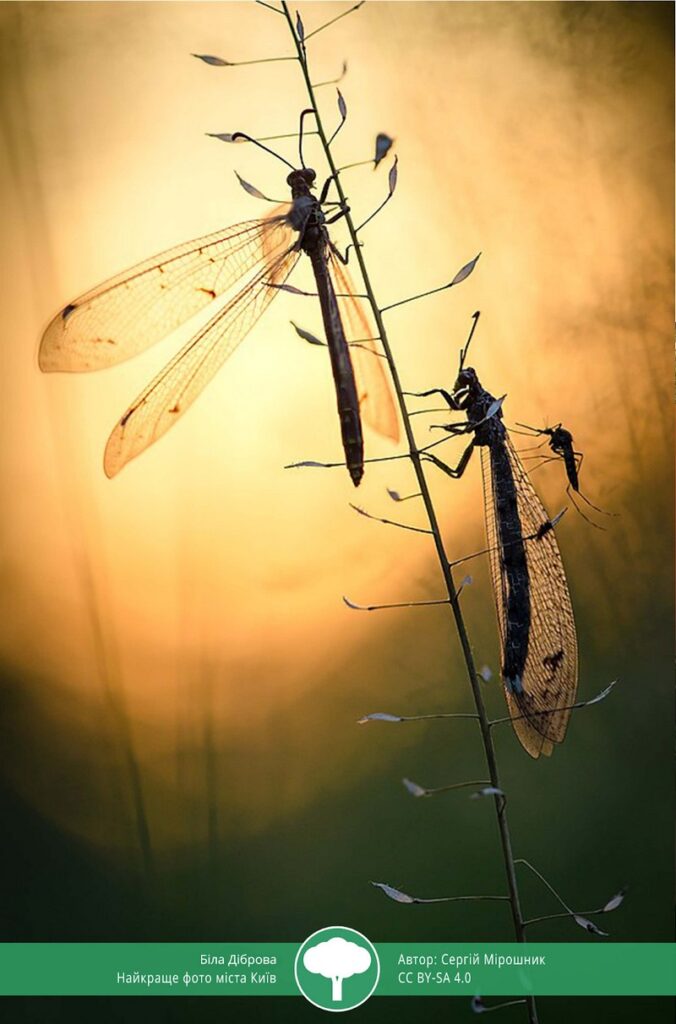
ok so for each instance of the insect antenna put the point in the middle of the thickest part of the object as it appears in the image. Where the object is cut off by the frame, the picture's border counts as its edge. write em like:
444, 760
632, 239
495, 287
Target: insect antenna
463, 351
243, 135
308, 110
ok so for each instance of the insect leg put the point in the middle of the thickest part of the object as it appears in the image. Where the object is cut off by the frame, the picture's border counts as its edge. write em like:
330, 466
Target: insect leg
447, 397
338, 254
579, 459
544, 459
571, 494
325, 189
533, 448
341, 213
454, 429
457, 472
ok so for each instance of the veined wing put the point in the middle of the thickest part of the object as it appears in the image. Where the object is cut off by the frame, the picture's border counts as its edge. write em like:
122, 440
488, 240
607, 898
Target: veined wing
550, 673
172, 392
376, 401
130, 312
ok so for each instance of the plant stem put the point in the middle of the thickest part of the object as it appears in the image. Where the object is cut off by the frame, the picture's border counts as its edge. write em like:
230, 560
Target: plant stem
447, 572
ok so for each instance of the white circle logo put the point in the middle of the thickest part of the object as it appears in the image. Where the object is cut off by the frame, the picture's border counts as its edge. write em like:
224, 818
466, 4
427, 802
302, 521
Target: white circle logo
337, 969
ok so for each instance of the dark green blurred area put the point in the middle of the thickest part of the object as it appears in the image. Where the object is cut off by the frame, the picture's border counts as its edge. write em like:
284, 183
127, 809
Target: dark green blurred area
409, 1011
595, 818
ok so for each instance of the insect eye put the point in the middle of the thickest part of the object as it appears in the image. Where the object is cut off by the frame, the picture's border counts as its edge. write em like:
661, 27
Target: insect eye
310, 175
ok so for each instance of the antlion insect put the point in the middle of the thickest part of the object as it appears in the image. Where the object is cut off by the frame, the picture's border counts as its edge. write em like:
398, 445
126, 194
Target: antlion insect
132, 311
535, 615
561, 443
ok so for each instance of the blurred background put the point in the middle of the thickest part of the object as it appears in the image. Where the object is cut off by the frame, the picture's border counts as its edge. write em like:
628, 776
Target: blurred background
181, 680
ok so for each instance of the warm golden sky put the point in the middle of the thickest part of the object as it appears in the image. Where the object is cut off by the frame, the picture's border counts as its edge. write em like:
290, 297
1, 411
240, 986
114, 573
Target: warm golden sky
537, 133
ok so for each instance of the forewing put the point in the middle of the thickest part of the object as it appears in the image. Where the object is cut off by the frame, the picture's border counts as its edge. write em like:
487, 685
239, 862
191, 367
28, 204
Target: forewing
130, 312
172, 392
376, 401
550, 673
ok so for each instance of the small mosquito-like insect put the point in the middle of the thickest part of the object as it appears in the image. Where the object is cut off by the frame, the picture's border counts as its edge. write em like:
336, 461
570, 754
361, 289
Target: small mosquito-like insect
535, 615
130, 312
561, 443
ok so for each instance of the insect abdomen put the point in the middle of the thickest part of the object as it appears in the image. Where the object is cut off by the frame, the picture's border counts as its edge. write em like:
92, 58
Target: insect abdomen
571, 468
515, 570
347, 398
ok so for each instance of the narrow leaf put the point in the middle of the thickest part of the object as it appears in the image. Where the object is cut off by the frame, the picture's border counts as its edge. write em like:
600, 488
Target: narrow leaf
251, 189
342, 106
486, 791
486, 674
351, 604
602, 695
380, 716
465, 271
383, 145
555, 520
413, 788
287, 288
615, 901
478, 1005
216, 62
394, 495
300, 28
305, 335
394, 894
225, 137
392, 177
495, 407
589, 926
315, 465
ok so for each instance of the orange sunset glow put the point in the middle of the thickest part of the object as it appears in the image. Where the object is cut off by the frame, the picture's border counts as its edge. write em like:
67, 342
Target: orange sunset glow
179, 655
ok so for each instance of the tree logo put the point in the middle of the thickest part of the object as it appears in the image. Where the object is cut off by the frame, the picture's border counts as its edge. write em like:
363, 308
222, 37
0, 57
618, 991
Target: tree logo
337, 969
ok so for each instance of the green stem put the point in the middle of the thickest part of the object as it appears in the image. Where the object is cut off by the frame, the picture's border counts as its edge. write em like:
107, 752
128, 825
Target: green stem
447, 572
544, 881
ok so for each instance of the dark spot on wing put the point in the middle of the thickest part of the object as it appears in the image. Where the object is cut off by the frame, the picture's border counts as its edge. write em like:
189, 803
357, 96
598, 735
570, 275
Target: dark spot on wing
67, 310
176, 408
208, 291
552, 661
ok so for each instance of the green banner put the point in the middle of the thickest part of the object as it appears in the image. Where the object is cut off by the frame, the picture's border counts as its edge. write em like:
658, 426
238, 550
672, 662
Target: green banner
267, 969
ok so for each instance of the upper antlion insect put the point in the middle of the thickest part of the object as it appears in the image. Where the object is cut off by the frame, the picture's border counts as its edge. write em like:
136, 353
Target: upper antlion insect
535, 615
130, 312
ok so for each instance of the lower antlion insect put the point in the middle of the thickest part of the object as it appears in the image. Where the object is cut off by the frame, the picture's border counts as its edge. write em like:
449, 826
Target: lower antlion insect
562, 445
535, 615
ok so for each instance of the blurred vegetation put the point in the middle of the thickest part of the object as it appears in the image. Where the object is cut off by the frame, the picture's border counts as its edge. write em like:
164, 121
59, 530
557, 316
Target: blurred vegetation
267, 814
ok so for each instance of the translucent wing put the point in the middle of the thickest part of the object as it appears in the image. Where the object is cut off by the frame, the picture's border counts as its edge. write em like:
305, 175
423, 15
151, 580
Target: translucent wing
172, 392
130, 312
550, 674
376, 401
